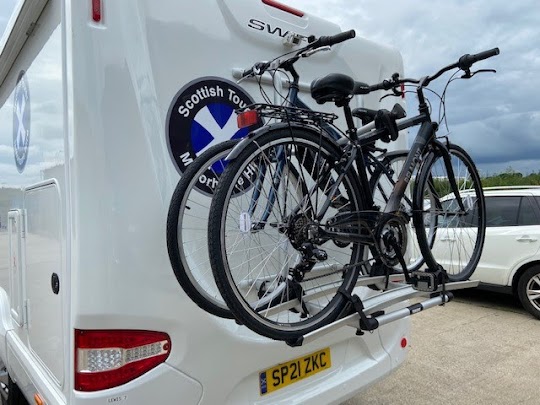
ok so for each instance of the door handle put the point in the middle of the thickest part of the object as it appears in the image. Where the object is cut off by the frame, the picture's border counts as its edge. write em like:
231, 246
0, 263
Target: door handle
526, 238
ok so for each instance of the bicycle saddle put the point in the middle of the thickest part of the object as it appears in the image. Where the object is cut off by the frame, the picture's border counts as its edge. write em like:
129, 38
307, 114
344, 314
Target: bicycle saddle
336, 87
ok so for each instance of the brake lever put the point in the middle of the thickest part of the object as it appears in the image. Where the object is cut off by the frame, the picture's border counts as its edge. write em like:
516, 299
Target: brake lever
314, 51
468, 73
395, 93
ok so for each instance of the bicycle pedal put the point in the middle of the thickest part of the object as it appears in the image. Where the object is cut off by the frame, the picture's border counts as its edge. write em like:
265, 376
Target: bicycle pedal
428, 281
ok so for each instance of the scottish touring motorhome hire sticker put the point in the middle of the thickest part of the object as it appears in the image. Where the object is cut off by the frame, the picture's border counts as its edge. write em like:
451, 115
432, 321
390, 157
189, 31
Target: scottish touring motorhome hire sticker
202, 115
21, 121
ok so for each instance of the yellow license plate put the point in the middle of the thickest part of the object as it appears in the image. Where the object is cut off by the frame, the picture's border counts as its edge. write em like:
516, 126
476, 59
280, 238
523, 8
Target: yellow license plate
293, 371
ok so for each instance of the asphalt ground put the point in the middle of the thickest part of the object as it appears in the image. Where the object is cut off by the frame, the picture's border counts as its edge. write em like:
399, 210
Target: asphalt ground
482, 348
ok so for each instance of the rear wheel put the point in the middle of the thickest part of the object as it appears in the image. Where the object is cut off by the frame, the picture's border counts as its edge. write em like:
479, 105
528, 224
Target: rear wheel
529, 290
187, 228
459, 230
277, 271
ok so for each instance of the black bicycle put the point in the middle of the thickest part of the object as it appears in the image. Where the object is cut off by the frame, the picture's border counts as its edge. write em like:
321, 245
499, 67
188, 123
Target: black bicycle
273, 236
189, 208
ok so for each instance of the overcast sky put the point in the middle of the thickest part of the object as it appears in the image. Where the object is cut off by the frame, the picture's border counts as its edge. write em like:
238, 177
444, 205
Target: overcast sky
496, 117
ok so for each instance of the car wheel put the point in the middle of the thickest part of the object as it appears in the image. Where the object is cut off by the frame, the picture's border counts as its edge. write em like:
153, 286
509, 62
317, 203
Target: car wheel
529, 290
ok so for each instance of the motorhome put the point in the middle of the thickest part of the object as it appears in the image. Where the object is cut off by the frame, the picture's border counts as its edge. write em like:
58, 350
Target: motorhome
91, 149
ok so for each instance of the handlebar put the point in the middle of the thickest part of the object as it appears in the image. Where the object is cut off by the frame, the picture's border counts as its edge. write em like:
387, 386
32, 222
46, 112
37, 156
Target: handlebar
321, 42
464, 63
333, 40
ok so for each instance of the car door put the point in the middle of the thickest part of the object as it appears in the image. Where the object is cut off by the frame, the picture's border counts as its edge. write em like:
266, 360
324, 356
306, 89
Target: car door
512, 237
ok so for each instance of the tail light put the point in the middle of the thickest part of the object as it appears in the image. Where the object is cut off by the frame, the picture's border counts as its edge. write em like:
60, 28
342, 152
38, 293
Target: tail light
402, 88
108, 358
247, 119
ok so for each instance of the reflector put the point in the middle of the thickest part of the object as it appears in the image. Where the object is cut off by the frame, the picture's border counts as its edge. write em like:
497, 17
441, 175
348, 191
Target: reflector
247, 118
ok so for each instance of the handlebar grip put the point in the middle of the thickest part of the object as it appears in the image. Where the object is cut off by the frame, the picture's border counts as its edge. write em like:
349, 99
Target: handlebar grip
335, 39
466, 61
384, 85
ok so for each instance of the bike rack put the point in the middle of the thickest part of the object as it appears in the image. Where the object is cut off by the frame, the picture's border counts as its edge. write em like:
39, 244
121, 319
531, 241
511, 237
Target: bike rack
374, 307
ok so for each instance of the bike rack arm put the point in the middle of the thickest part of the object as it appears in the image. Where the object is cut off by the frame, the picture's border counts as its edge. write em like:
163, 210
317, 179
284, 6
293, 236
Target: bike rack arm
387, 299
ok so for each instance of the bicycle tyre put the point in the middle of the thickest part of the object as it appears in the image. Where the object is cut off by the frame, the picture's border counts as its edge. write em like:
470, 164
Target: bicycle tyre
459, 234
385, 173
187, 234
224, 231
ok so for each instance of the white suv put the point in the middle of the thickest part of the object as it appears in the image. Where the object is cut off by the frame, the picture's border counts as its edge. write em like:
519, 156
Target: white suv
510, 260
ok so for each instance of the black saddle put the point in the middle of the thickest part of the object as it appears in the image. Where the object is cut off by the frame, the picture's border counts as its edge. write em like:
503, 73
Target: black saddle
336, 87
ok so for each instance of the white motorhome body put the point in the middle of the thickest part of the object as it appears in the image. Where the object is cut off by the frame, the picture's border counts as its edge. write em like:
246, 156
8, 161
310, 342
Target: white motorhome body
88, 166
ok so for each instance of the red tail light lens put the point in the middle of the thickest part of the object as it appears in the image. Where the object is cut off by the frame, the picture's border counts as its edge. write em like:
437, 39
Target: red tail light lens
402, 90
283, 7
109, 358
247, 119
96, 10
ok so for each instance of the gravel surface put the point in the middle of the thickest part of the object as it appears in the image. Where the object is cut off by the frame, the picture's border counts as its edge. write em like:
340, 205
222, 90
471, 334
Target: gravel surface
482, 348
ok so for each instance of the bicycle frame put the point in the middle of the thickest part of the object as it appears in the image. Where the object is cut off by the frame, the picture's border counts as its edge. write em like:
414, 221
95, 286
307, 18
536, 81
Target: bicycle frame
426, 136
295, 101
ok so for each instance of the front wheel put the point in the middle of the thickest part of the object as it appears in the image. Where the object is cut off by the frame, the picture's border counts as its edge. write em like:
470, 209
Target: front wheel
274, 265
459, 228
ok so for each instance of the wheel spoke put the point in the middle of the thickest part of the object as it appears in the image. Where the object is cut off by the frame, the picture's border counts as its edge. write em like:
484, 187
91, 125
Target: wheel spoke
266, 271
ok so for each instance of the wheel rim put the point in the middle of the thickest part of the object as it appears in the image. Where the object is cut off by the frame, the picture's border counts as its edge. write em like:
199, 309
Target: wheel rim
533, 291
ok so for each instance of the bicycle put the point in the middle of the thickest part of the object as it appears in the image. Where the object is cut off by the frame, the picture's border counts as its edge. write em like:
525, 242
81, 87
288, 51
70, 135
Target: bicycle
189, 207
295, 239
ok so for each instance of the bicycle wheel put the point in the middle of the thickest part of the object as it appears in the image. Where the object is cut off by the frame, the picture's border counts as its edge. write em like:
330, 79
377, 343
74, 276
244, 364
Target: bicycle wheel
187, 228
460, 231
274, 267
385, 171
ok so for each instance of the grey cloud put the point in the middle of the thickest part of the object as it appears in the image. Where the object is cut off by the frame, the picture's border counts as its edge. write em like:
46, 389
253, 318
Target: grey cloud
492, 115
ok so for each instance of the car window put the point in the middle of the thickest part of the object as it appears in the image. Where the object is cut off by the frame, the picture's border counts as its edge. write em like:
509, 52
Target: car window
527, 216
502, 211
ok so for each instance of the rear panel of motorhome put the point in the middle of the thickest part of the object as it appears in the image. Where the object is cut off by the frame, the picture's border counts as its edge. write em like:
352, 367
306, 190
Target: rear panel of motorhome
93, 138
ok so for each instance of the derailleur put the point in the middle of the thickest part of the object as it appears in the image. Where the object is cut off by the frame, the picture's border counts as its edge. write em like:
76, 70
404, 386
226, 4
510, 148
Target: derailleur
310, 256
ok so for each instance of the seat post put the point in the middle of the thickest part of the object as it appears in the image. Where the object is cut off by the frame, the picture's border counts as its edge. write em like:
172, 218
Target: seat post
351, 131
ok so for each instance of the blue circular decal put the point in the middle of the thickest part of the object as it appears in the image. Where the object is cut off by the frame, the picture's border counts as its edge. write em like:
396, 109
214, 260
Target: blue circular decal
21, 121
203, 115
